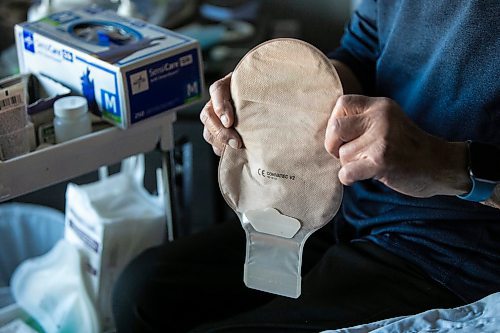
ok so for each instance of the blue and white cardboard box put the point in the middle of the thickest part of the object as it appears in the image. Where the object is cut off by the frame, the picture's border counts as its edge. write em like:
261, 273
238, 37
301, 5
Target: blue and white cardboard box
129, 70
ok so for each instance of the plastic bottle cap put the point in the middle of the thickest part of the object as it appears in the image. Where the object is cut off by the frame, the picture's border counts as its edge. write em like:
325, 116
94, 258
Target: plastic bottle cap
70, 107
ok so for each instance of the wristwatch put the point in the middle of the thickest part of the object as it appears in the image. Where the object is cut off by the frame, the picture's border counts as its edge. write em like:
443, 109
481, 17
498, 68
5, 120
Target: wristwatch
484, 170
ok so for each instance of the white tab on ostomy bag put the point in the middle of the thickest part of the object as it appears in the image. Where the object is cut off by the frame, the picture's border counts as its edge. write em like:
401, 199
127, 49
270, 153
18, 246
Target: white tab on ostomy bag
112, 221
282, 184
51, 289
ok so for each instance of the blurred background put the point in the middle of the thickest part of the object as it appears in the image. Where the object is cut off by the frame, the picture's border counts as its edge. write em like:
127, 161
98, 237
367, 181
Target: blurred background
226, 29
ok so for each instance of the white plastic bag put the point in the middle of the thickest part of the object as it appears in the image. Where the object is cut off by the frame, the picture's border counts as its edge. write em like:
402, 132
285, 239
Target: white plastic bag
51, 289
112, 221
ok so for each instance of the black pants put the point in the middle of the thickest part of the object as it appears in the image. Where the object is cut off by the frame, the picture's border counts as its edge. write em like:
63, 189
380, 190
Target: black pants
196, 284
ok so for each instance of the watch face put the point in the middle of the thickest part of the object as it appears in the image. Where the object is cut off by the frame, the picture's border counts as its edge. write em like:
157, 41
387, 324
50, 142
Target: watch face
485, 161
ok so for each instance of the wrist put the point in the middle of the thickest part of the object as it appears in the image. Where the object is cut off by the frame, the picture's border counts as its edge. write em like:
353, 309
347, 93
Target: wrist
494, 200
484, 170
455, 176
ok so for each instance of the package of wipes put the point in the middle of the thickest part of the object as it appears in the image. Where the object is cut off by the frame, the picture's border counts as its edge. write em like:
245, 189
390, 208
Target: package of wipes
111, 221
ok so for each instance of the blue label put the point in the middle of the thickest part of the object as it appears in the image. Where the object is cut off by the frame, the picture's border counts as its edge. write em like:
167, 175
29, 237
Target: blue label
164, 85
67, 55
109, 103
29, 42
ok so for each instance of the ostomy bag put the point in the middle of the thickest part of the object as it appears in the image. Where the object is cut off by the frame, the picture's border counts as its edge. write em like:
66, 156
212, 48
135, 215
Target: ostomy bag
52, 289
282, 184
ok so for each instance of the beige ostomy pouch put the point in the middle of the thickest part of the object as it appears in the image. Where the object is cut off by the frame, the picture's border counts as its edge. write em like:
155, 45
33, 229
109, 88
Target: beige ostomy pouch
282, 184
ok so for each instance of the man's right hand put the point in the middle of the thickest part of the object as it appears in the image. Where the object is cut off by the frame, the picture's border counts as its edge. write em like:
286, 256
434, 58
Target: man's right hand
217, 117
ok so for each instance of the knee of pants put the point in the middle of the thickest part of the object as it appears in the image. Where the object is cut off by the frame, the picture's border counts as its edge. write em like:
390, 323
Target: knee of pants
131, 283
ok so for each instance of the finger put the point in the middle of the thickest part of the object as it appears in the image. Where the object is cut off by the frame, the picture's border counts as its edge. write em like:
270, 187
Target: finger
343, 129
220, 95
348, 105
217, 130
216, 146
207, 109
354, 150
217, 150
211, 140
208, 136
357, 170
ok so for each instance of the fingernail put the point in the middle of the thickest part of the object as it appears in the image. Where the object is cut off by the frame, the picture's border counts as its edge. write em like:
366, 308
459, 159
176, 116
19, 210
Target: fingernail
224, 120
233, 143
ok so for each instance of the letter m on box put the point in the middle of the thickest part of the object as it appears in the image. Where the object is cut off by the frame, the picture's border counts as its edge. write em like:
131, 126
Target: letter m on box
110, 103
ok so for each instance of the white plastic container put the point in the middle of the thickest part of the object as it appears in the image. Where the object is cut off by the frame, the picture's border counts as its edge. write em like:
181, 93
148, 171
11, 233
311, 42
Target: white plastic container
72, 119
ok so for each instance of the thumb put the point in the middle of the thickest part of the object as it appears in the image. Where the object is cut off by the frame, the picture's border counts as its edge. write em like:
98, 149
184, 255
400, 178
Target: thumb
357, 170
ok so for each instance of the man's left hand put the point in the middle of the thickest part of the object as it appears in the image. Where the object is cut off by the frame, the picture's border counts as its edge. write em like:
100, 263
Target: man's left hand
373, 138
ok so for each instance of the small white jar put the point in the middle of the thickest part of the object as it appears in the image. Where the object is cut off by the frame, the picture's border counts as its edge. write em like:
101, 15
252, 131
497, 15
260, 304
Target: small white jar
71, 118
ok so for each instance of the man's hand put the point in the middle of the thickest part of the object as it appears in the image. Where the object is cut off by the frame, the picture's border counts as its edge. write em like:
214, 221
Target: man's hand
373, 138
217, 117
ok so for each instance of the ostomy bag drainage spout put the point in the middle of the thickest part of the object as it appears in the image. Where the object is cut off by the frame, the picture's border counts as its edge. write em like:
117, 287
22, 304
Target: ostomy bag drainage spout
282, 184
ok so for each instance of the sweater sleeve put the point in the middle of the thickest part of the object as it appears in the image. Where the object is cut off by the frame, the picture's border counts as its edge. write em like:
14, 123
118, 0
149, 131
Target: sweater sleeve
359, 46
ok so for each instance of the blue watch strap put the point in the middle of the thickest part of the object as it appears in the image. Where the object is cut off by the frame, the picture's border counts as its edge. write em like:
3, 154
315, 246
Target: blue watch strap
480, 191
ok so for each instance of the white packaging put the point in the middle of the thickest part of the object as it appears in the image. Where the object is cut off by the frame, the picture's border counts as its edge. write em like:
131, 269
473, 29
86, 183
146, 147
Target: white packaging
13, 115
112, 221
15, 134
12, 314
128, 69
52, 290
16, 326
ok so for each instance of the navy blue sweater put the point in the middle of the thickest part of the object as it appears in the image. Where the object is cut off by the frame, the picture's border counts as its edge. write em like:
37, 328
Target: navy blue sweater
440, 60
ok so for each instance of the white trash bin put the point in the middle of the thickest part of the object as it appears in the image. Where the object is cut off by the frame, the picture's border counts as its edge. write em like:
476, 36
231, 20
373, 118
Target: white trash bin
26, 231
